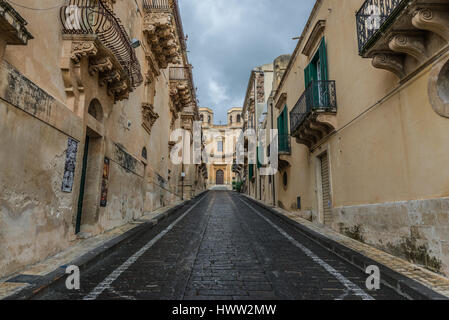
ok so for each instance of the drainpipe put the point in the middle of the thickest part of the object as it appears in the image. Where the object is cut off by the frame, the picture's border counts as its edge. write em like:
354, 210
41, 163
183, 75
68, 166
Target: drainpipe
273, 182
255, 121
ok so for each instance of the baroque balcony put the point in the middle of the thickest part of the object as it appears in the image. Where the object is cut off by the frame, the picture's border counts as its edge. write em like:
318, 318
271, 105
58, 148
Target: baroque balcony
13, 26
314, 115
182, 89
92, 30
402, 35
164, 31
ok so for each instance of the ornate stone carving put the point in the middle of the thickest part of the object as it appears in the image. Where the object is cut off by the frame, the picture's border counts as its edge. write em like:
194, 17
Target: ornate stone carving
160, 31
117, 87
391, 62
101, 64
107, 78
149, 117
181, 94
83, 49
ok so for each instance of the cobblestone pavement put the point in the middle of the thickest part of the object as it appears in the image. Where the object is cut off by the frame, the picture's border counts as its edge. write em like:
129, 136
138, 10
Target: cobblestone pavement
221, 247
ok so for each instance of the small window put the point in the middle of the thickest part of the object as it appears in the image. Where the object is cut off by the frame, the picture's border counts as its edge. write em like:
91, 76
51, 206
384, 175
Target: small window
144, 153
285, 179
230, 120
239, 118
220, 146
95, 110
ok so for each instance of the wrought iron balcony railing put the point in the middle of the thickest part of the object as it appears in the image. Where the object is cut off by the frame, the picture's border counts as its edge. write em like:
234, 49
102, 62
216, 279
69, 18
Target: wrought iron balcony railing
319, 96
164, 6
284, 143
156, 4
179, 73
373, 17
86, 17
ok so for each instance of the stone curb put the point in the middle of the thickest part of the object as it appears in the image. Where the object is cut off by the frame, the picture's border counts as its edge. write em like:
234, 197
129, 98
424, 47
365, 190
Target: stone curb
409, 288
94, 255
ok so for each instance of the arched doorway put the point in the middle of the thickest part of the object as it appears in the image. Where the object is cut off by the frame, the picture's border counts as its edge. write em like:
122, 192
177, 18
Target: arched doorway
219, 179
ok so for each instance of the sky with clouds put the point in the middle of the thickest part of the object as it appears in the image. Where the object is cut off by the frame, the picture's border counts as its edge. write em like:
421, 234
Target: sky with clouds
228, 38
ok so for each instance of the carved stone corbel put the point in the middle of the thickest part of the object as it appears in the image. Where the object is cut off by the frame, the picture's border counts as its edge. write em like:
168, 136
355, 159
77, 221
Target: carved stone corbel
117, 88
106, 78
433, 20
101, 64
409, 43
391, 62
83, 49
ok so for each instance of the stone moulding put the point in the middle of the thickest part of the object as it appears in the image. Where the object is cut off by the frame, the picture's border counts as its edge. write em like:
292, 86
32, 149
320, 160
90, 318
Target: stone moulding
149, 117
282, 100
438, 87
315, 36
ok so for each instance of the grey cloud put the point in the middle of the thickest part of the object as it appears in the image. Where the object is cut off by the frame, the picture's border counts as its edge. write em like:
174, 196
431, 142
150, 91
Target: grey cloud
227, 38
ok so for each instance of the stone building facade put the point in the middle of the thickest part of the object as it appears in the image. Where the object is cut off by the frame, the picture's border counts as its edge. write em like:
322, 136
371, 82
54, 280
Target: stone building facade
90, 93
362, 106
220, 144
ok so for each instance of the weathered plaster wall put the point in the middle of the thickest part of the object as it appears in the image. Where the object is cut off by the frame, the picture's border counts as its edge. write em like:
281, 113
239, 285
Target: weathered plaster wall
36, 218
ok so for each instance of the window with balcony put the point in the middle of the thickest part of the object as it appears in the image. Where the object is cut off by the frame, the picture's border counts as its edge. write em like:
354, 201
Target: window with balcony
313, 116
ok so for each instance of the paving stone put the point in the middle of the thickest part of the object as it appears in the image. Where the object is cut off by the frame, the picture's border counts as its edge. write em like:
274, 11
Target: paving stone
221, 250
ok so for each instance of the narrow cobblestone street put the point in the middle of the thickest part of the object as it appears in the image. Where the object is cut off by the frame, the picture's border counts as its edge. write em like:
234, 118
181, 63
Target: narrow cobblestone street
221, 247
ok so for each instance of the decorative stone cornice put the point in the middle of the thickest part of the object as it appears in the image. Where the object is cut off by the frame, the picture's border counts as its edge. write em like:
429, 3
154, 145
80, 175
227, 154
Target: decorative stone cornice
314, 37
281, 101
149, 117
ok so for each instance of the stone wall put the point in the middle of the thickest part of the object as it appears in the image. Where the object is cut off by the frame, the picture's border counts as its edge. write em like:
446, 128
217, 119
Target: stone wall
416, 230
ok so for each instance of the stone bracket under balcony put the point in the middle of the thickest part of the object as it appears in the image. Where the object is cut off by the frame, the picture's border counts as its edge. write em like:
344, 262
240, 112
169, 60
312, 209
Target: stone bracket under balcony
78, 49
181, 94
316, 126
401, 41
160, 31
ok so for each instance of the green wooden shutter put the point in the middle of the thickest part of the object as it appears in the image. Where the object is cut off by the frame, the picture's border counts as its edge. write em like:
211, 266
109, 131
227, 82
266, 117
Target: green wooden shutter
285, 118
307, 76
323, 59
